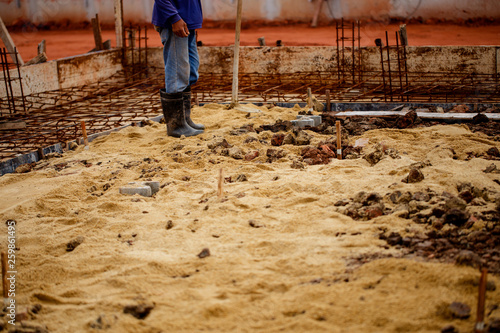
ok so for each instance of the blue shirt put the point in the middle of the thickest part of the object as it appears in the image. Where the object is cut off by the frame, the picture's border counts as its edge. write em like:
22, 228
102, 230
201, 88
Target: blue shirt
167, 12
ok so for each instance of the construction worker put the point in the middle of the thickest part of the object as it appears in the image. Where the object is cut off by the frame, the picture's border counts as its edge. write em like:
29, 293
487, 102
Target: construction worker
176, 21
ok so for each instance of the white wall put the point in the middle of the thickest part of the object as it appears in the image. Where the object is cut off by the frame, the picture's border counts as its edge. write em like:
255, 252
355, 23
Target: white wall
44, 11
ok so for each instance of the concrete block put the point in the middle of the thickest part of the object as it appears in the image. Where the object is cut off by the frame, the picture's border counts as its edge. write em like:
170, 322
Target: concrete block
316, 120
155, 186
303, 123
136, 188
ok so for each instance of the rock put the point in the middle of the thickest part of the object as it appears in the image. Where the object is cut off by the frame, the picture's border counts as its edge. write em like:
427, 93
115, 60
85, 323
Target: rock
468, 258
219, 143
374, 157
480, 119
204, 253
491, 169
407, 120
467, 196
494, 152
275, 154
289, 139
415, 176
241, 178
449, 329
139, 311
457, 217
252, 155
394, 196
236, 153
459, 310
341, 203
297, 165
460, 109
372, 212
493, 326
250, 139
73, 244
24, 168
170, 225
421, 196
303, 138
277, 139
255, 224
455, 203
36, 308
103, 322
73, 145
394, 239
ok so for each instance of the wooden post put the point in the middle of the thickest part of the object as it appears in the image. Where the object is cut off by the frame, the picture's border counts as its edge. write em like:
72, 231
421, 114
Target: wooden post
236, 60
84, 132
479, 328
403, 36
220, 190
41, 155
339, 140
9, 44
328, 101
310, 99
317, 12
120, 31
5, 285
96, 26
42, 47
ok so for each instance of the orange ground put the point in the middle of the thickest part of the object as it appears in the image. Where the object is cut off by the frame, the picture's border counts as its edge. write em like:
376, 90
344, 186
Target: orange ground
64, 43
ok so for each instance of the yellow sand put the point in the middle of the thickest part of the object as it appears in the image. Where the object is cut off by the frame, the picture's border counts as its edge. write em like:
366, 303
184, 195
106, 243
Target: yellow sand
287, 276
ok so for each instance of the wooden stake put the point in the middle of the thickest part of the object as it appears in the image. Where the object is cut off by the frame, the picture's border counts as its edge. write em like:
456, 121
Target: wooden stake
236, 60
309, 99
5, 284
96, 26
328, 101
41, 155
317, 12
9, 44
84, 132
42, 47
339, 140
479, 328
221, 182
120, 32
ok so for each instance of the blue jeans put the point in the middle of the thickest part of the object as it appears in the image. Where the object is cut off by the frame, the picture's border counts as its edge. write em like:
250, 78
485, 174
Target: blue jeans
180, 55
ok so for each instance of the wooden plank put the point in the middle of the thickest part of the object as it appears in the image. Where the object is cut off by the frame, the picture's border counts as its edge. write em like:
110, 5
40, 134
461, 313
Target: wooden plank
12, 125
403, 36
423, 115
96, 27
236, 58
317, 12
42, 57
120, 31
9, 44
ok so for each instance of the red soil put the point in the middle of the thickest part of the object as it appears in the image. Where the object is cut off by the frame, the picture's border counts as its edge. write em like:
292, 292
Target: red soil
65, 43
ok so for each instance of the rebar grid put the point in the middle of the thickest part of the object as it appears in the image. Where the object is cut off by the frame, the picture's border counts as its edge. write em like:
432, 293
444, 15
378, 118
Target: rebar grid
103, 106
11, 103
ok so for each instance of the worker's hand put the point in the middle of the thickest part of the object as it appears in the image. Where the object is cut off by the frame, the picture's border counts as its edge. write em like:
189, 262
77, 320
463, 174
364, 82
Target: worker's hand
180, 28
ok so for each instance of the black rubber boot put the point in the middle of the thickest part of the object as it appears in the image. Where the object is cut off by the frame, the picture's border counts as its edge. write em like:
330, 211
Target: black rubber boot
173, 111
186, 96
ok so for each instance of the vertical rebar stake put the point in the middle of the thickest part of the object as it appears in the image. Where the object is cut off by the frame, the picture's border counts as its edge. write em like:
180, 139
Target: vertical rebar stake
389, 63
20, 80
339, 140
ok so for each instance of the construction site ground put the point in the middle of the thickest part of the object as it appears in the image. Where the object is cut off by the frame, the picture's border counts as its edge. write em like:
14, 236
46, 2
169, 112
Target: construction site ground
64, 43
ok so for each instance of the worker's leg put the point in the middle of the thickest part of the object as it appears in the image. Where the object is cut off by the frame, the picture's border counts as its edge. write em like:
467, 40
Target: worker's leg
194, 59
177, 71
177, 61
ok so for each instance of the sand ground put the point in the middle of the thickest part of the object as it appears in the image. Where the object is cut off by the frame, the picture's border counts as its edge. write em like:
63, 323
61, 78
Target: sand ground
298, 269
